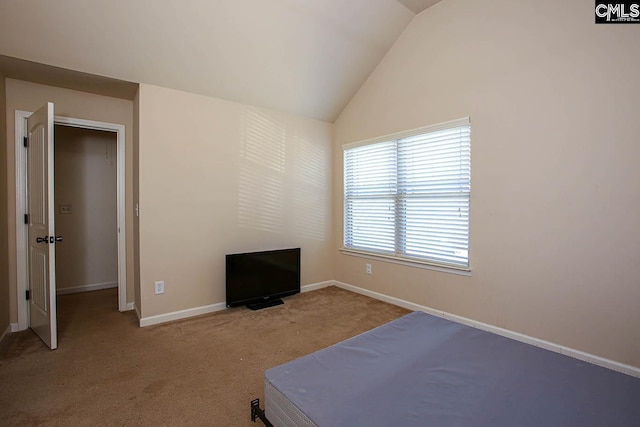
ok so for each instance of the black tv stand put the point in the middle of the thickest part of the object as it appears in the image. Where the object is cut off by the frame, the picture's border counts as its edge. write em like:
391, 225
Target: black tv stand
265, 304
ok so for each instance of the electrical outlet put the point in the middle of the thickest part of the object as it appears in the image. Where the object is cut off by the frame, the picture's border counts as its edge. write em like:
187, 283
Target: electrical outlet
160, 287
64, 209
368, 268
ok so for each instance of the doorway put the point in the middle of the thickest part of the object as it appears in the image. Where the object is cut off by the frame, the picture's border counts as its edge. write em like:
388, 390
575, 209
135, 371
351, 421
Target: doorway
118, 157
86, 217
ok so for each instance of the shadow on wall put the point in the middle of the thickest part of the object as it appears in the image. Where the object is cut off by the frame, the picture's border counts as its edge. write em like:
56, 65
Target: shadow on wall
282, 180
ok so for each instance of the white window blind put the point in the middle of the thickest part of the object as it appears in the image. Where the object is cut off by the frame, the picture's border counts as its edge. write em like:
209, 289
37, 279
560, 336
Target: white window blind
408, 196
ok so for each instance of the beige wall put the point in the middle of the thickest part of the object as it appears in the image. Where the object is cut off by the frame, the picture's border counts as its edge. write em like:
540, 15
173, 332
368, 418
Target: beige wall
4, 243
85, 185
555, 179
68, 103
218, 177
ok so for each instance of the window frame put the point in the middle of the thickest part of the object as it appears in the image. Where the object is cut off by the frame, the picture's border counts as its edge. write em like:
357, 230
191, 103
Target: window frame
397, 258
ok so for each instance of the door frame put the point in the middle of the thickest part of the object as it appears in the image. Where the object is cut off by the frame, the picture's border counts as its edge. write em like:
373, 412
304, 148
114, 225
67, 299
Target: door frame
21, 203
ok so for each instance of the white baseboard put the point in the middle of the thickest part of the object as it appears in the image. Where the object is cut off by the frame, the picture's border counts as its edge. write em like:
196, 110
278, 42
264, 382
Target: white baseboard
135, 307
6, 331
86, 288
182, 314
577, 354
316, 286
14, 327
197, 311
129, 306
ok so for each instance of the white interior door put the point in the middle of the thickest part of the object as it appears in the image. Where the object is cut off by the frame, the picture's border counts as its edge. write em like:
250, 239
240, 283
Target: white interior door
41, 230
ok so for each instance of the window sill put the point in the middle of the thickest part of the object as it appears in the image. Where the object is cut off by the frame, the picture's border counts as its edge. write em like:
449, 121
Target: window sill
405, 261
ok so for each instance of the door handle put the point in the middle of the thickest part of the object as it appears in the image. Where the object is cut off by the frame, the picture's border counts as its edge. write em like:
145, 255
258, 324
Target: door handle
44, 239
58, 239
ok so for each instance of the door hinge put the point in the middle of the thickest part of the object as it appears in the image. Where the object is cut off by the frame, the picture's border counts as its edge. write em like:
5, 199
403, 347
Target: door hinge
25, 142
28, 292
26, 219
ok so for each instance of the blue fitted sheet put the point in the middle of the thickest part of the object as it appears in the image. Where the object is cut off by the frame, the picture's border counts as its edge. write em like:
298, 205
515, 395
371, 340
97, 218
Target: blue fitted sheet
421, 370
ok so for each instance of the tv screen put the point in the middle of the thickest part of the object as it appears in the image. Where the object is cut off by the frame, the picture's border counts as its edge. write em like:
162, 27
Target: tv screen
258, 279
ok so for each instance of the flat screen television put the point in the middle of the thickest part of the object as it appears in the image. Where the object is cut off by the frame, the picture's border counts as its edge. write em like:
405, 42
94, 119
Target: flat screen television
261, 279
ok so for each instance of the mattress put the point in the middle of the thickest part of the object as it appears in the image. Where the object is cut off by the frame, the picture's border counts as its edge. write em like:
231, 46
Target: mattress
421, 370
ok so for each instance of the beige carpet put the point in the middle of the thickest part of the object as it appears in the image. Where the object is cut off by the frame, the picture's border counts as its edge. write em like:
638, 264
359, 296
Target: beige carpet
195, 372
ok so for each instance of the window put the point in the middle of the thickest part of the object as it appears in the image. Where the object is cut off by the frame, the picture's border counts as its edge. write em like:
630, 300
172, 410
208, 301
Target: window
407, 195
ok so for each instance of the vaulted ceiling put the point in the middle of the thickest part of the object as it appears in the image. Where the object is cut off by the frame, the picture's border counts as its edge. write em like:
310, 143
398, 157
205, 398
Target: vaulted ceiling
305, 57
